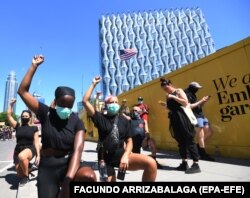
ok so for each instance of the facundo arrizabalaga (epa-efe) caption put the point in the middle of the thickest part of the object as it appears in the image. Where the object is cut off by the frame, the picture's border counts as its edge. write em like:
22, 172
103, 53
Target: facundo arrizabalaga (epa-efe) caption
231, 188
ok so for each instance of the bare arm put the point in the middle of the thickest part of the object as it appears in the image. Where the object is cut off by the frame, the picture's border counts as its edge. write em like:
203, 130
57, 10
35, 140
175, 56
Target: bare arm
126, 116
37, 146
180, 98
76, 155
10, 119
201, 102
88, 106
125, 157
146, 127
23, 89
74, 163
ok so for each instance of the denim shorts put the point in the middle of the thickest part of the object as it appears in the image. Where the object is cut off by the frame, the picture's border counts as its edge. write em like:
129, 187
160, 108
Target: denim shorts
202, 122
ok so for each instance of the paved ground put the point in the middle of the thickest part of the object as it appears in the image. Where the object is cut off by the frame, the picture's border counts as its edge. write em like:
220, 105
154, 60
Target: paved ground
224, 169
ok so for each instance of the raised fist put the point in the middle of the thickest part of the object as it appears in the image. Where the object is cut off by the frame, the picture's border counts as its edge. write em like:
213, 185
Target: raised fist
38, 59
12, 101
97, 79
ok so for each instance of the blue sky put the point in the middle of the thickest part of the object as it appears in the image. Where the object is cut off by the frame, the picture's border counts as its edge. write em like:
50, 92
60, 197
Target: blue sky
67, 34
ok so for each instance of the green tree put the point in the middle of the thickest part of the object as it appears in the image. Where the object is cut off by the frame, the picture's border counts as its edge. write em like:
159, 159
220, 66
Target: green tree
3, 117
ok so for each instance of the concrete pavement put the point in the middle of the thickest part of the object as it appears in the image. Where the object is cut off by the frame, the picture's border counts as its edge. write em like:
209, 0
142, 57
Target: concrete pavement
224, 169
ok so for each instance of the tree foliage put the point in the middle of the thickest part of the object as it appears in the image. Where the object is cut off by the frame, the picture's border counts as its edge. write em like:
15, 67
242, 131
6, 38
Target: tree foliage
3, 117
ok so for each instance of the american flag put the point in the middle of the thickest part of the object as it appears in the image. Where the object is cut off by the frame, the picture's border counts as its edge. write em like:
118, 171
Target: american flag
126, 54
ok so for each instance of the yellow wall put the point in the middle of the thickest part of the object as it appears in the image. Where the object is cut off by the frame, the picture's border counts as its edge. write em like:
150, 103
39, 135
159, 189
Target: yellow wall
225, 75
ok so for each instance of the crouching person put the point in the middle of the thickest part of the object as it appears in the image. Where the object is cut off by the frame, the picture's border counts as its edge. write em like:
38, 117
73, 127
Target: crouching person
119, 157
62, 139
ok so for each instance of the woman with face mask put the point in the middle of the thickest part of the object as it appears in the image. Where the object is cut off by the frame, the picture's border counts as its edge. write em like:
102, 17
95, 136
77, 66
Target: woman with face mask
120, 157
62, 139
28, 144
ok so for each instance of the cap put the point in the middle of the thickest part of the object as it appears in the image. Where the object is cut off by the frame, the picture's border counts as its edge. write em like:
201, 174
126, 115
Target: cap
195, 84
140, 98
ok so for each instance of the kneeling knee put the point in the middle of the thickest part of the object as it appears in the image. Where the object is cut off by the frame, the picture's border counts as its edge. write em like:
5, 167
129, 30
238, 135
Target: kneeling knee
85, 174
151, 163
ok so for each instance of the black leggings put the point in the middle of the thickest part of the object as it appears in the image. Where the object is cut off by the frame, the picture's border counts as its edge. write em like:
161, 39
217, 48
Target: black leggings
51, 173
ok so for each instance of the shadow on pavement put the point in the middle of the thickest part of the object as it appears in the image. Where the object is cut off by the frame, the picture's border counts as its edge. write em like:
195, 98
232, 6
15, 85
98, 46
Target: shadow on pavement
90, 151
12, 179
175, 155
234, 161
12, 168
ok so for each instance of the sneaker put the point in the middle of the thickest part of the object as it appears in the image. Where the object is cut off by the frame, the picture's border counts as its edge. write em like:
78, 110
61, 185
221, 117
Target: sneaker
195, 168
23, 181
159, 166
206, 157
183, 166
203, 154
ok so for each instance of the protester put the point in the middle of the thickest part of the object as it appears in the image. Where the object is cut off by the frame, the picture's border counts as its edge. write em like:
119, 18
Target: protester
97, 103
180, 126
27, 143
144, 112
124, 109
62, 139
118, 156
139, 137
203, 128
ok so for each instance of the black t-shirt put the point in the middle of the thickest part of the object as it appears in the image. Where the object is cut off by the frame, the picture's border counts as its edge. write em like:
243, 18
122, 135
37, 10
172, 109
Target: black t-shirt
25, 134
104, 124
193, 99
58, 133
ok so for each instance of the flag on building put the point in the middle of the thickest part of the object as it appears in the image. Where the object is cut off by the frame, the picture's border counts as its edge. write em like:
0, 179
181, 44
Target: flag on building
126, 54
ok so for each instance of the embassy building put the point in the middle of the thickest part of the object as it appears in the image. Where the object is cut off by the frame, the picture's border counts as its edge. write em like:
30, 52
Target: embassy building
166, 40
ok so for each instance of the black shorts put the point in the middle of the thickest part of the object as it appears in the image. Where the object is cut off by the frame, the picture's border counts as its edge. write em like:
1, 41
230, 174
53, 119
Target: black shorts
137, 143
19, 149
113, 160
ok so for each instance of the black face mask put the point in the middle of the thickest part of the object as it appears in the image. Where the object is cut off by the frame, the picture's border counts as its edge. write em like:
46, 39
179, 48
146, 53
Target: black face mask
135, 116
25, 120
193, 89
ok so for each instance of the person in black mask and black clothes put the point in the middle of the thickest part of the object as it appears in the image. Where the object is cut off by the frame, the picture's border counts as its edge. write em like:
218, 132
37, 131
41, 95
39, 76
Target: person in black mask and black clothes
28, 144
63, 135
140, 138
203, 128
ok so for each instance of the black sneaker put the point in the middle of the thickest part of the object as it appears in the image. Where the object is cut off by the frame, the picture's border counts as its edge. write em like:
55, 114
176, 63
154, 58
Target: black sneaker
159, 166
206, 157
23, 181
195, 168
182, 167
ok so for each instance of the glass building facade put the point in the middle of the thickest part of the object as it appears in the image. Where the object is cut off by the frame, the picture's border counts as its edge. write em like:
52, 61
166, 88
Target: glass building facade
11, 86
166, 40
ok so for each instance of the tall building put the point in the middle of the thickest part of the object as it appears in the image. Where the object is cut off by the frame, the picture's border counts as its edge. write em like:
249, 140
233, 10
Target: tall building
10, 91
166, 40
